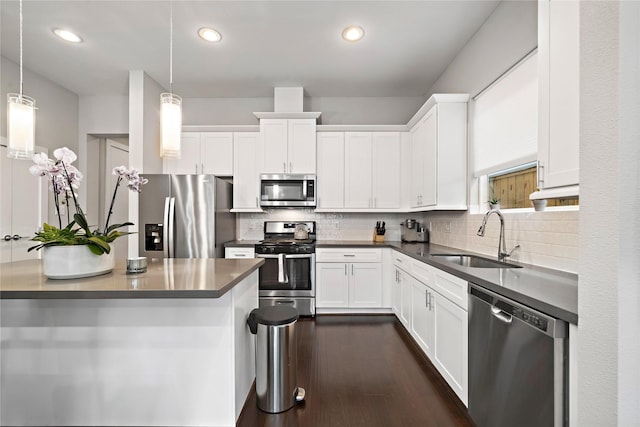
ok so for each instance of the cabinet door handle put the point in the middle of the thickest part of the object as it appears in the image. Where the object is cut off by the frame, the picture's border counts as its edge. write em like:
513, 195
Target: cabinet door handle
345, 269
540, 175
426, 302
284, 167
290, 167
257, 202
352, 269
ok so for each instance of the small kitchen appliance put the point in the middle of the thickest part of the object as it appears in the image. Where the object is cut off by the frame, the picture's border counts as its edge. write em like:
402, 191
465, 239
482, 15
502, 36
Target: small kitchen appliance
412, 231
288, 275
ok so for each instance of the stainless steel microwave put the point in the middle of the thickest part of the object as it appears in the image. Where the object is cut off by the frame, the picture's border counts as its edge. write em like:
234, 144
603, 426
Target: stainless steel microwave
288, 190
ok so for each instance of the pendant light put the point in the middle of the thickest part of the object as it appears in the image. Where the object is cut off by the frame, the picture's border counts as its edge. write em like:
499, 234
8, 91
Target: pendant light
170, 109
21, 117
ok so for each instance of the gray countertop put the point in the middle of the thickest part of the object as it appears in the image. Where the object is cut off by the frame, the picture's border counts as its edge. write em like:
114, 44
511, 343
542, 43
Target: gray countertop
164, 278
550, 291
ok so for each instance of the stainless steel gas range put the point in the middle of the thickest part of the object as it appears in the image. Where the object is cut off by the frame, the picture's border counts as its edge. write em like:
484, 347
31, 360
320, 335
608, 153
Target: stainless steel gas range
288, 276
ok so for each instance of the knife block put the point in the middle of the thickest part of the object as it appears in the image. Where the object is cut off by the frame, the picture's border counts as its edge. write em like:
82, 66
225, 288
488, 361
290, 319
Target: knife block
378, 238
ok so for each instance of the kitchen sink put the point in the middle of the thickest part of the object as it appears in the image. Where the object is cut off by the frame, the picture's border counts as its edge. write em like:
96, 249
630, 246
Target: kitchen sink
474, 261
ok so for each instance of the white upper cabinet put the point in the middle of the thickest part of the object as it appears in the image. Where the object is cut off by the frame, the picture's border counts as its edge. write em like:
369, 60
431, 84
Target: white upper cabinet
358, 167
439, 154
330, 178
386, 170
203, 153
559, 97
246, 179
289, 145
359, 171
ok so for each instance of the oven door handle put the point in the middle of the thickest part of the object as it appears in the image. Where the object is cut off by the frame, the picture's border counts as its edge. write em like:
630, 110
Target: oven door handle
282, 266
282, 269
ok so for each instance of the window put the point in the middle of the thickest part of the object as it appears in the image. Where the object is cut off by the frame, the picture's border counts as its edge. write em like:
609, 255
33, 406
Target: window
513, 186
504, 139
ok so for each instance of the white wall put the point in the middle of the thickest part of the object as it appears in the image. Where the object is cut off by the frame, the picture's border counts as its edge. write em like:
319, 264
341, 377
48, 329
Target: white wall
335, 110
609, 286
144, 138
57, 114
508, 35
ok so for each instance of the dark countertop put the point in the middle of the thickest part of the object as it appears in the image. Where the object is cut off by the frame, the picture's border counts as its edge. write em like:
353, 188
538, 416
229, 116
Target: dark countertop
165, 278
550, 291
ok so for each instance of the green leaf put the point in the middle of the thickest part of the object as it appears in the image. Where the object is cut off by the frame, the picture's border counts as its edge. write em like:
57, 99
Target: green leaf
100, 242
82, 222
115, 226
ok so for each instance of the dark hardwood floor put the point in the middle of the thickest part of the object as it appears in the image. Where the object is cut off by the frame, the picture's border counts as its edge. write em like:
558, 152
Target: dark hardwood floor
362, 371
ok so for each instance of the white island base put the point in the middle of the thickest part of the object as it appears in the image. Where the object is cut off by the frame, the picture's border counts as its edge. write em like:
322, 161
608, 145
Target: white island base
133, 362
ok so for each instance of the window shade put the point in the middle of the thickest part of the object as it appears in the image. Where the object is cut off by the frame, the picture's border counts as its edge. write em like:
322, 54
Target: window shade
505, 120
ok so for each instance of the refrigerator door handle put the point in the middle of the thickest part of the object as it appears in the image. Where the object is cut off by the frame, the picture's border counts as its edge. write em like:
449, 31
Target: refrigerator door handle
171, 223
165, 228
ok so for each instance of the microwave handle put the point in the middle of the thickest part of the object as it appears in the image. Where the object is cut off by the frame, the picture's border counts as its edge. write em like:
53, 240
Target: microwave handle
304, 189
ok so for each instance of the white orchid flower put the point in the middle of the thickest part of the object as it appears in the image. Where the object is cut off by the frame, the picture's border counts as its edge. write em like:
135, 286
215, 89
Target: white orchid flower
65, 155
120, 171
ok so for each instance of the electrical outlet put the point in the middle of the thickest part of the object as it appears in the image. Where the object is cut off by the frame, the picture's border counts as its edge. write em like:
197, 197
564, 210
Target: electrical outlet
447, 227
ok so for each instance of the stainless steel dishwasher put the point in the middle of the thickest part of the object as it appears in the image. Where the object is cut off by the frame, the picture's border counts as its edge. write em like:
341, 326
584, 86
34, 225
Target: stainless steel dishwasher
517, 363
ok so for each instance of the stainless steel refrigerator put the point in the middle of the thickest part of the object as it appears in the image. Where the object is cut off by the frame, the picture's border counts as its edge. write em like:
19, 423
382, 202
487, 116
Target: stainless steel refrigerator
185, 216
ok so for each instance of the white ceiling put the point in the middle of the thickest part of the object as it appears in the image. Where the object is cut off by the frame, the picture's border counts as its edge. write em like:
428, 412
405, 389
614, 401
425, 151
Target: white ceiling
265, 44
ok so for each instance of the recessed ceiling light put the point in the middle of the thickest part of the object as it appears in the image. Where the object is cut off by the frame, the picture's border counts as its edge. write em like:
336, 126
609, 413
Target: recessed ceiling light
67, 35
353, 33
209, 34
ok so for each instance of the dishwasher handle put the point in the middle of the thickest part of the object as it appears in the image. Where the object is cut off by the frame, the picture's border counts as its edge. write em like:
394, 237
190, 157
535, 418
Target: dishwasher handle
505, 317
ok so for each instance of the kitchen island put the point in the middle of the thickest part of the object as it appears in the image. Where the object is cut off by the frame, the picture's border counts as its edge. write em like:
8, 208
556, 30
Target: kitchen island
165, 347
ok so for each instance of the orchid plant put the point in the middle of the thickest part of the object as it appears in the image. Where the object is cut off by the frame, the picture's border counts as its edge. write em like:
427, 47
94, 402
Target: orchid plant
64, 179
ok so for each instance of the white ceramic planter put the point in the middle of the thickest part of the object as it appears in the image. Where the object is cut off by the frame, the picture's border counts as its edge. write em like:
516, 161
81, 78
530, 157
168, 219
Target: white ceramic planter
539, 204
72, 262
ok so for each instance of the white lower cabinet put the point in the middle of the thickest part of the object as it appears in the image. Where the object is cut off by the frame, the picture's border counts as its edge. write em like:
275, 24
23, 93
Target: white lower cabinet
422, 318
450, 343
355, 284
432, 305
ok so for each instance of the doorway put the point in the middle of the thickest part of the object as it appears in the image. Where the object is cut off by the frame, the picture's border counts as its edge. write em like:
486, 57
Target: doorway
105, 152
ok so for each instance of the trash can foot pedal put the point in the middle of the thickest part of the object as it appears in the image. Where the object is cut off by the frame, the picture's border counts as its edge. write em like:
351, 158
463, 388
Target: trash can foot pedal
300, 393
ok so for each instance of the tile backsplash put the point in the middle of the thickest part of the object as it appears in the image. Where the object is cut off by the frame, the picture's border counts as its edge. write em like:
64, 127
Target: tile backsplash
548, 239
330, 226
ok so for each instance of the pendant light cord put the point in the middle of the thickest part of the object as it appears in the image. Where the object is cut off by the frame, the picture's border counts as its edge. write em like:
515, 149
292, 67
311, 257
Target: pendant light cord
170, 47
20, 50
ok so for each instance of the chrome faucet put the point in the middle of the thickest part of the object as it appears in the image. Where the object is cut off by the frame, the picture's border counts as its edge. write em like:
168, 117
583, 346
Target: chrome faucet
502, 246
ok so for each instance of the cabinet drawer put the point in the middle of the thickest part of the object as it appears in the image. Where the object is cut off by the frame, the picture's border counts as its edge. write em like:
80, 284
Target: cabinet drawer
348, 255
452, 288
239, 253
402, 261
423, 272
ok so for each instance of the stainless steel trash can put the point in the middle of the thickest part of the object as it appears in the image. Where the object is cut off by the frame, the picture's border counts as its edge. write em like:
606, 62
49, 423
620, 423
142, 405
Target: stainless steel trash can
276, 357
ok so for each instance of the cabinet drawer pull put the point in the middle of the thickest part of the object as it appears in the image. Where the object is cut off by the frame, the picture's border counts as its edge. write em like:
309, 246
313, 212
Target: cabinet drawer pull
349, 255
